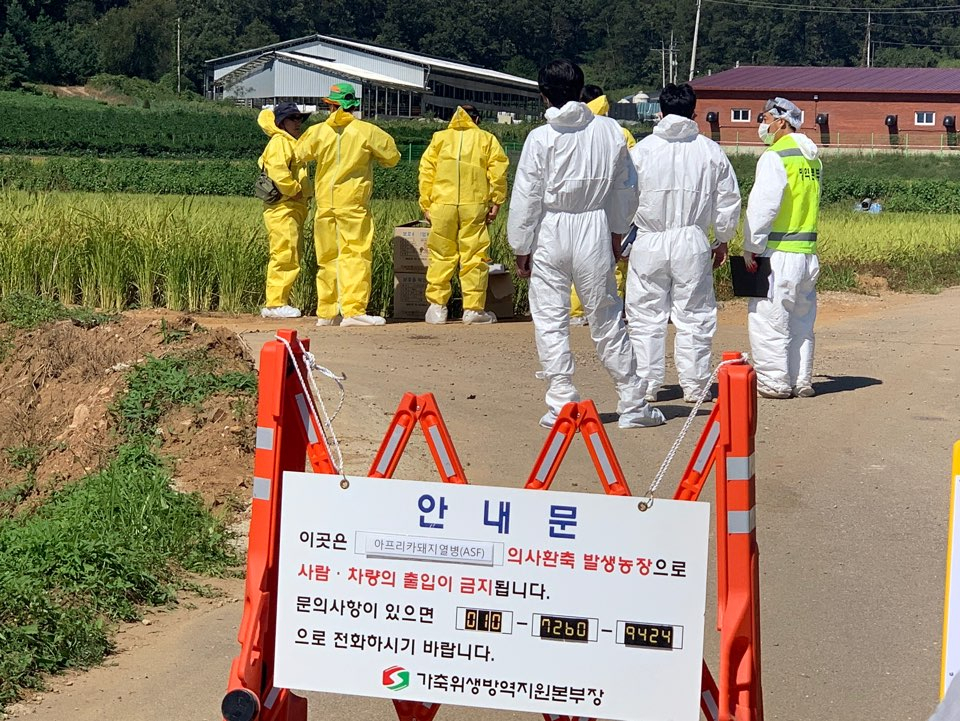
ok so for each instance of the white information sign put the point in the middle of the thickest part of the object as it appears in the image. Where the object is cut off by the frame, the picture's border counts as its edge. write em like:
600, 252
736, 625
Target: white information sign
560, 603
950, 654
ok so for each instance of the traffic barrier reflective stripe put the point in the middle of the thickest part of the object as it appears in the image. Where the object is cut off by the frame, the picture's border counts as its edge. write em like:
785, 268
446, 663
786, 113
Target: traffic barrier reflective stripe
305, 417
550, 458
606, 470
264, 439
740, 522
261, 489
713, 433
271, 697
393, 442
740, 468
710, 705
441, 450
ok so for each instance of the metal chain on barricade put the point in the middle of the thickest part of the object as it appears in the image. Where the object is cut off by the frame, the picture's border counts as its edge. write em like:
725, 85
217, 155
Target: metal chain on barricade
313, 392
665, 466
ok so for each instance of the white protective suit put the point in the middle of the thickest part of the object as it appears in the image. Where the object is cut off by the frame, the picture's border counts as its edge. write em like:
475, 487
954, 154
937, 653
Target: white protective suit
574, 186
781, 325
686, 184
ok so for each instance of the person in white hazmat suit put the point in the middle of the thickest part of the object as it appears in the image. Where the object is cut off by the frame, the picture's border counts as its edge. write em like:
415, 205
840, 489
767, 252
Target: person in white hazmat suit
686, 184
573, 198
781, 224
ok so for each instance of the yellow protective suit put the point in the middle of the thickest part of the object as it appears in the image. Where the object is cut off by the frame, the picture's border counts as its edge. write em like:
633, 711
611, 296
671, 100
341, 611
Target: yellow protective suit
284, 219
345, 150
462, 173
601, 106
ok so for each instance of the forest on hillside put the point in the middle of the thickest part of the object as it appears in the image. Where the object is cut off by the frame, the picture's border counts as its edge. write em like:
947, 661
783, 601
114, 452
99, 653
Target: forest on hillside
619, 42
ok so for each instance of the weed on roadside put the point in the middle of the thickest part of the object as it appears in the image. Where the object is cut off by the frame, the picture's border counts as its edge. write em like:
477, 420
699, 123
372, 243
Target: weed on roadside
98, 551
26, 311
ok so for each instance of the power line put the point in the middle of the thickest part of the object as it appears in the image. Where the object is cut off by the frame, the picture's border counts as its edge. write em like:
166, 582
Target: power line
773, 5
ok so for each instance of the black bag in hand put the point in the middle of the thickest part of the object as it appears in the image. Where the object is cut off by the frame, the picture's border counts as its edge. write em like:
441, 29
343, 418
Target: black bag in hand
266, 190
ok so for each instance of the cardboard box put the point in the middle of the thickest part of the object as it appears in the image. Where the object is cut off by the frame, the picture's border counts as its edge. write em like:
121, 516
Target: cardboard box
410, 303
410, 247
500, 294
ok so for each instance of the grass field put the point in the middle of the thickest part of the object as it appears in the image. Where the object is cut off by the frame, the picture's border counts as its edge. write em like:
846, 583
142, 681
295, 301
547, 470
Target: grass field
195, 254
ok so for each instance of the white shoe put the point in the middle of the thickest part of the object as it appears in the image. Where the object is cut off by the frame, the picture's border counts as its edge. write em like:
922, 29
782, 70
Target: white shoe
548, 419
644, 418
804, 391
778, 395
328, 321
578, 321
694, 397
477, 317
436, 314
282, 311
651, 395
362, 320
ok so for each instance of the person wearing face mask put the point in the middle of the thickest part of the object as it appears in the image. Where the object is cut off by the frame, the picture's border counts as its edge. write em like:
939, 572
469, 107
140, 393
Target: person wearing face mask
781, 224
284, 219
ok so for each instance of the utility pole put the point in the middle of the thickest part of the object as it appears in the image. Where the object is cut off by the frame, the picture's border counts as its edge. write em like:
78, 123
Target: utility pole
869, 22
663, 65
696, 35
673, 62
178, 56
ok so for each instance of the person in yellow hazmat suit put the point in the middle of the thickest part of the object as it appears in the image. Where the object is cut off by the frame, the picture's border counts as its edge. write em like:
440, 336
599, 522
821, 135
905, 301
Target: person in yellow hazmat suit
345, 150
284, 219
595, 99
463, 183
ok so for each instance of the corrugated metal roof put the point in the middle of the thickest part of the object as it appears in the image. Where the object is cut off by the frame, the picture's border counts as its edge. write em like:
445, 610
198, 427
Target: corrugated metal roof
794, 79
348, 72
461, 68
403, 55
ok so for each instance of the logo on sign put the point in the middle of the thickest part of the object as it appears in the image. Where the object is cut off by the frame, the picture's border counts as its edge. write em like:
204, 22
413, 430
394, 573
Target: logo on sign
396, 678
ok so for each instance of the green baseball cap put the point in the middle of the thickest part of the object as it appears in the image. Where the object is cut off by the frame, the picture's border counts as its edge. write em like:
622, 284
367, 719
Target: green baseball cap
344, 95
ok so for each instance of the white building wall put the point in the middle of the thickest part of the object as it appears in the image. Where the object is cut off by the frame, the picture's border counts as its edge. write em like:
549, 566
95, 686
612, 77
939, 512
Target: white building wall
258, 85
294, 81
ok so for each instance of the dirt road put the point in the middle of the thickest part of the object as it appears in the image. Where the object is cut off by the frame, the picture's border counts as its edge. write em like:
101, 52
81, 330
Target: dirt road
852, 507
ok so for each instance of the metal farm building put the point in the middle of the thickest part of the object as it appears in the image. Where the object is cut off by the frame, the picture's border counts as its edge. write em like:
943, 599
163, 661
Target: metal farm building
390, 83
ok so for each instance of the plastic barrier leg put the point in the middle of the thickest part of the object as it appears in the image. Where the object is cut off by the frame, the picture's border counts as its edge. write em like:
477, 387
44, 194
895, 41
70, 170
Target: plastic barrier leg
411, 410
396, 438
283, 436
582, 417
422, 409
740, 693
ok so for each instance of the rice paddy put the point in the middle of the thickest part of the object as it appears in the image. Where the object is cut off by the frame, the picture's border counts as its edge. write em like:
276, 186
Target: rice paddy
209, 254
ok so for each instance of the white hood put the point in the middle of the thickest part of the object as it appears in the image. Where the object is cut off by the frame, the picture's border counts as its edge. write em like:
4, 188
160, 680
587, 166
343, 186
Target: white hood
807, 147
572, 116
676, 129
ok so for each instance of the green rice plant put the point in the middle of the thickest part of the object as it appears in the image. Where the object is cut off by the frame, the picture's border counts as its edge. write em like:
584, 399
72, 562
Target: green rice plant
210, 253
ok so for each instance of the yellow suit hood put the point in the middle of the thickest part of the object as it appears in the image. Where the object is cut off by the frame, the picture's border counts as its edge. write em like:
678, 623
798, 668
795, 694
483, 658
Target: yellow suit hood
461, 121
463, 165
278, 159
599, 106
345, 150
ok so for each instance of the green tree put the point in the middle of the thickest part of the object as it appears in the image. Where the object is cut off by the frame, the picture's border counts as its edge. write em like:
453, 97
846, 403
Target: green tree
13, 62
139, 40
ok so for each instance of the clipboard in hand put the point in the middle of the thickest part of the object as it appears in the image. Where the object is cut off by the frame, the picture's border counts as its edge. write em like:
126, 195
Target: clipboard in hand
747, 284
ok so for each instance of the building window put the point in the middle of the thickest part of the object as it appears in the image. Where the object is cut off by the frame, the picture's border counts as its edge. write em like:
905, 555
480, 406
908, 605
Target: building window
740, 115
925, 117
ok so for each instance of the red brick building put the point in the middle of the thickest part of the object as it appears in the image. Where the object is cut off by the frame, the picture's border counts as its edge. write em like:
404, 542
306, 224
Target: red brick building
844, 107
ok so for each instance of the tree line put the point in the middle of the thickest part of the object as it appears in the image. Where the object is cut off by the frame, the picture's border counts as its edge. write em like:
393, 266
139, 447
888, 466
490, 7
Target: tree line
622, 44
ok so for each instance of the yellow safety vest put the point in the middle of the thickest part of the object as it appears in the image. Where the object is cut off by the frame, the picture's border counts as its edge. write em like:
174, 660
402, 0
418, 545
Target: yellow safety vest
795, 227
